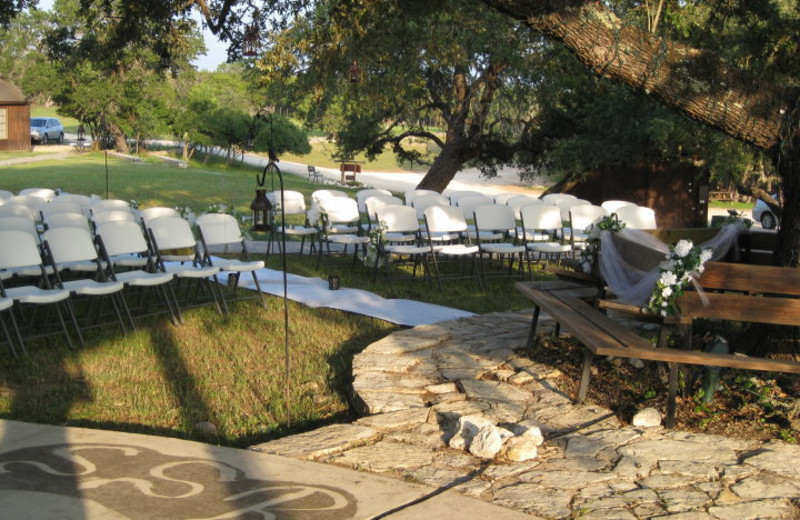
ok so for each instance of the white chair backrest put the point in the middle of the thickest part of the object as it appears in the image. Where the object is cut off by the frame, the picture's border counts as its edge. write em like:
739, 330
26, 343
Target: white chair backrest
375, 202
541, 217
423, 202
122, 237
70, 244
637, 217
340, 210
113, 215
149, 214
398, 219
172, 233
100, 205
18, 223
42, 193
445, 219
410, 195
517, 201
584, 215
14, 210
469, 203
565, 205
67, 220
20, 249
502, 198
219, 228
78, 198
319, 195
494, 217
363, 195
455, 195
55, 207
5, 194
27, 201
613, 205
294, 202
552, 198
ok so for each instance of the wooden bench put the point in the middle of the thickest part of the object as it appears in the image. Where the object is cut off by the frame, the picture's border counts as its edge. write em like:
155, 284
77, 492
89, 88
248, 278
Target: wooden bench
604, 336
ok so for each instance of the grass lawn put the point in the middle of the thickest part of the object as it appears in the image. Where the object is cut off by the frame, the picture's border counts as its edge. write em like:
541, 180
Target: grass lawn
164, 379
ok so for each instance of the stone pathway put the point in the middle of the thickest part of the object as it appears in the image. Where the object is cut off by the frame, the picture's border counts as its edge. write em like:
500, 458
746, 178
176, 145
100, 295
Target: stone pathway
461, 383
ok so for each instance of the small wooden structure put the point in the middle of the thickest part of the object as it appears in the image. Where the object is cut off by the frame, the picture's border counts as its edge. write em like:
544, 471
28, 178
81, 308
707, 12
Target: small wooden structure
349, 171
15, 118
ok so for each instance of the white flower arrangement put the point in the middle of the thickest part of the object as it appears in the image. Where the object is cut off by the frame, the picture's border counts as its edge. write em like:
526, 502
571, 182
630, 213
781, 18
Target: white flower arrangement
684, 262
591, 250
186, 213
375, 242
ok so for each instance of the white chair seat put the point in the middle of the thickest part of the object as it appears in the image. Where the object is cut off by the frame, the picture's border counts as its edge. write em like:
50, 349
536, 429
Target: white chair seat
141, 278
502, 248
348, 239
92, 287
32, 294
298, 230
191, 271
394, 238
130, 260
342, 230
84, 266
549, 247
407, 250
238, 265
456, 249
6, 303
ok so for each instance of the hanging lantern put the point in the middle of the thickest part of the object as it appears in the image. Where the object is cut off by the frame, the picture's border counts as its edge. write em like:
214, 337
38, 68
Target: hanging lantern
355, 72
250, 42
261, 209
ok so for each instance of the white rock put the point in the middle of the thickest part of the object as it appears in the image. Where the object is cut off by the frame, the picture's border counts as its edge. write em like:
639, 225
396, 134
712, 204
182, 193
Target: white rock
636, 363
489, 441
529, 429
647, 418
521, 448
467, 429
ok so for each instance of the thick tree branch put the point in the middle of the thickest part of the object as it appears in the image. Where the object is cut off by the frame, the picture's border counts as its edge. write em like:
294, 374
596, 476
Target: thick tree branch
690, 80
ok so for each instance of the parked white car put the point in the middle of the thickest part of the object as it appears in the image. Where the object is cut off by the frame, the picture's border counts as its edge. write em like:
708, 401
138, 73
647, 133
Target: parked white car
762, 213
46, 129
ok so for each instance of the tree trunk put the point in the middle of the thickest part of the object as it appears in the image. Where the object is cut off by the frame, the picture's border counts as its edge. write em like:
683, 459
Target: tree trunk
787, 251
120, 142
445, 166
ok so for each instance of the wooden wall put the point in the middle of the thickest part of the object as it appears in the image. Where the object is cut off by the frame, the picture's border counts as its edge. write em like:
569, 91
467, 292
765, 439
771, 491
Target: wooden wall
679, 195
19, 128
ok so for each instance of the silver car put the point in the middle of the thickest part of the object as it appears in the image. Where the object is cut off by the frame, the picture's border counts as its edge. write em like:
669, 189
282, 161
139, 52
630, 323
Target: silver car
762, 213
46, 129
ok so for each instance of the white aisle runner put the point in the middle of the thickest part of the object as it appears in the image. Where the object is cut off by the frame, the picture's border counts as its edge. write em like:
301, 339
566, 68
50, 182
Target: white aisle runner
314, 292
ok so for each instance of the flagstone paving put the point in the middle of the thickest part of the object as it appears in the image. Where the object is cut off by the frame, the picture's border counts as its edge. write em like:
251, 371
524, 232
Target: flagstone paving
424, 390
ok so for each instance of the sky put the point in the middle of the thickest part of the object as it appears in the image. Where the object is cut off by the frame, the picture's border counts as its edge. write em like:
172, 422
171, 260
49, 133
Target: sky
216, 55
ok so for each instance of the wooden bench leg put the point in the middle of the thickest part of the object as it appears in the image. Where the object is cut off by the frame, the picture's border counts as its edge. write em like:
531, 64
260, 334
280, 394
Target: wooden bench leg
674, 368
586, 373
532, 333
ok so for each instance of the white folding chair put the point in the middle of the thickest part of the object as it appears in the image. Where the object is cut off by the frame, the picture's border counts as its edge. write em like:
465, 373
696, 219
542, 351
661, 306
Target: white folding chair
101, 205
637, 217
123, 240
553, 198
455, 195
56, 207
66, 220
69, 246
581, 217
219, 229
21, 250
294, 203
399, 240
5, 195
45, 194
423, 202
441, 221
363, 195
319, 195
541, 229
100, 218
494, 226
613, 205
175, 233
339, 227
410, 195
376, 202
502, 198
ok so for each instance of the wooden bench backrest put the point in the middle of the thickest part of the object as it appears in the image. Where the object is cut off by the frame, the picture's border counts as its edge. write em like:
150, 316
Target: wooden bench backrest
760, 279
752, 293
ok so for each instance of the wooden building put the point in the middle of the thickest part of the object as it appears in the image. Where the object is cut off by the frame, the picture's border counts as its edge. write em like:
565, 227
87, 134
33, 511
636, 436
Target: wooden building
15, 118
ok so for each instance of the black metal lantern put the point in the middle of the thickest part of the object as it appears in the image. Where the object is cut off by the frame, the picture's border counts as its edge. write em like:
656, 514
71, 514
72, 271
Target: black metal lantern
261, 208
250, 42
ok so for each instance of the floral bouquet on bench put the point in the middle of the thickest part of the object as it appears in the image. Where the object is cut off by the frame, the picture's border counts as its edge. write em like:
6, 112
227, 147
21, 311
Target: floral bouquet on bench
684, 264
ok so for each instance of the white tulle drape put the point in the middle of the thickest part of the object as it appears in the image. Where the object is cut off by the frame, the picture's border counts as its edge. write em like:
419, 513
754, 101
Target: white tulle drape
632, 279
